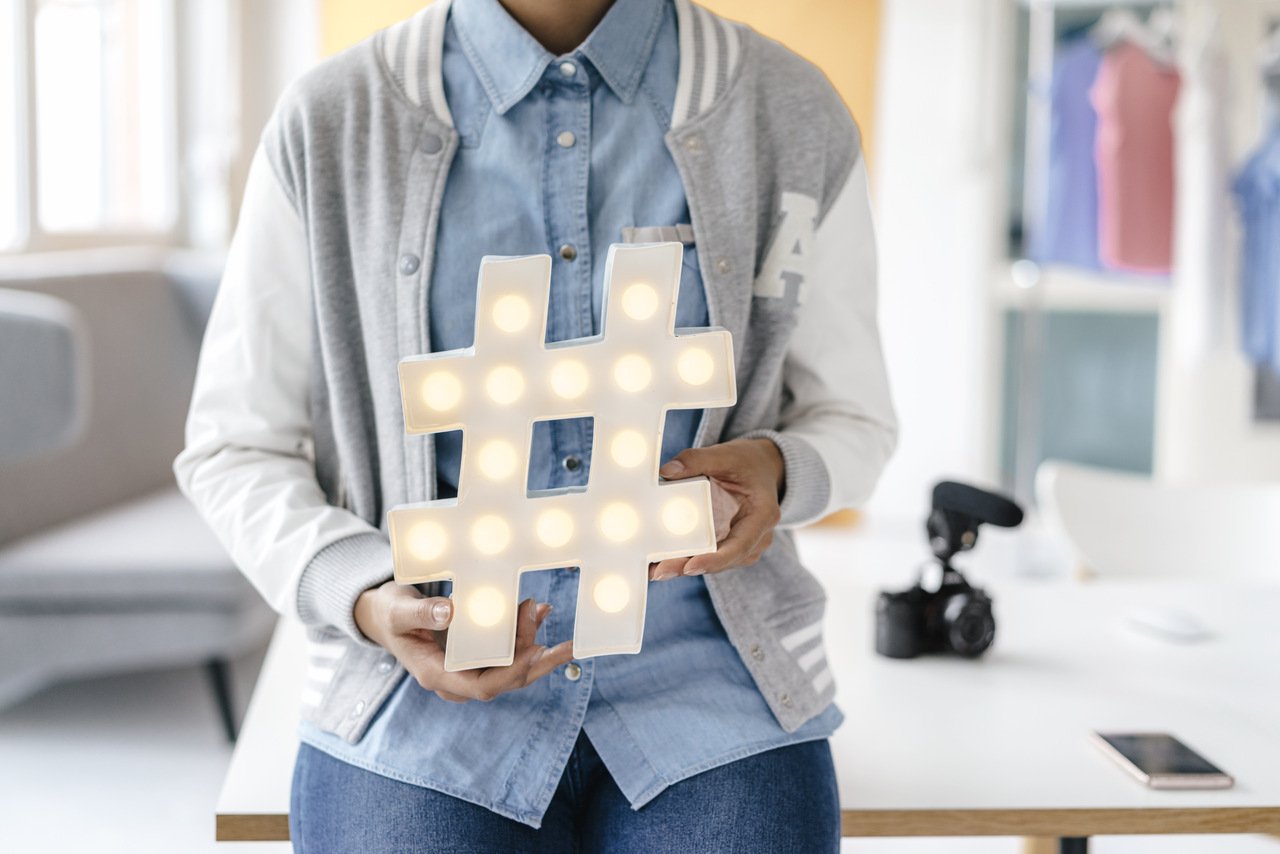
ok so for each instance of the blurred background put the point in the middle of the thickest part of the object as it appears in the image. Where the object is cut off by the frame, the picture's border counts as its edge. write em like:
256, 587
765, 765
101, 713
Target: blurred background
1075, 206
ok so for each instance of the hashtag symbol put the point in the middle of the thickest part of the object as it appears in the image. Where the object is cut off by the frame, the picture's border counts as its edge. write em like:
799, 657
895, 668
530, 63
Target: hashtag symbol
626, 378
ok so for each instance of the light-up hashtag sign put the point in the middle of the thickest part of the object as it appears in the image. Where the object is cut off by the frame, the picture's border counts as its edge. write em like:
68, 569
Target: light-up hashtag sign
626, 378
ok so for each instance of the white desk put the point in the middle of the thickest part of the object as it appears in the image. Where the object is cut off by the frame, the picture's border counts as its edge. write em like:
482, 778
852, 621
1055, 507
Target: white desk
944, 747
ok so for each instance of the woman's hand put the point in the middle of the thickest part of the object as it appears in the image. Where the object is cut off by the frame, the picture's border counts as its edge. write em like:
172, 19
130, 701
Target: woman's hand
746, 478
412, 627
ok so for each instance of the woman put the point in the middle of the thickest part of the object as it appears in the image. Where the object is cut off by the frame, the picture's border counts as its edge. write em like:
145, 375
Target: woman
510, 127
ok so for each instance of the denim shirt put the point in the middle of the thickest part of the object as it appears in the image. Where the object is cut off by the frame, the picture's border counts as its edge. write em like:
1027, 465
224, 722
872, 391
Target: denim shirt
558, 155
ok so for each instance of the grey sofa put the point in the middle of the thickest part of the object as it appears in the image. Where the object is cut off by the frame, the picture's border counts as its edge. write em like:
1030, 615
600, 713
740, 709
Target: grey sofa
104, 567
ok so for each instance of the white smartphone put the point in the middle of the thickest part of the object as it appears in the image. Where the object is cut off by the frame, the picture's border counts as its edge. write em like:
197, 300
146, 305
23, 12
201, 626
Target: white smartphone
1161, 761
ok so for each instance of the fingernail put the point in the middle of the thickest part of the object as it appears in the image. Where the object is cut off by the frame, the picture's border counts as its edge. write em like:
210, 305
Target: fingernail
671, 468
441, 611
663, 575
694, 571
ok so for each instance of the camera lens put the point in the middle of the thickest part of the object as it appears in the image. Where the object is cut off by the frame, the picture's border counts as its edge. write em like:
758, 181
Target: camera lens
970, 626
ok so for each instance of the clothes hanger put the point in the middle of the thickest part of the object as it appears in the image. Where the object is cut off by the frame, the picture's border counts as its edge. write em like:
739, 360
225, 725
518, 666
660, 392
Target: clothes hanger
1155, 36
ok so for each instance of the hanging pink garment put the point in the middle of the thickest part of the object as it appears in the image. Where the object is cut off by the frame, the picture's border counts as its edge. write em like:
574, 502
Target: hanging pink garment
1134, 96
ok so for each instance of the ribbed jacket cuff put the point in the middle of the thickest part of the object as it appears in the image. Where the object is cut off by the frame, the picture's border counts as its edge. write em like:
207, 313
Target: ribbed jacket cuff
807, 485
335, 578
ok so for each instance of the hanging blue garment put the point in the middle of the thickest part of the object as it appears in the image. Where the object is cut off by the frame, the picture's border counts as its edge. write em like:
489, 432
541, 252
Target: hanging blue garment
1257, 190
1068, 232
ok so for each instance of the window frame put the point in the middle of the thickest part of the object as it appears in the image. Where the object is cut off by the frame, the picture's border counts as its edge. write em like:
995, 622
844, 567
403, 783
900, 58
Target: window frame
31, 237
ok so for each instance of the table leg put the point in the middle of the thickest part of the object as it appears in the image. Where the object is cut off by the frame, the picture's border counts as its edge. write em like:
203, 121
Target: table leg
1073, 845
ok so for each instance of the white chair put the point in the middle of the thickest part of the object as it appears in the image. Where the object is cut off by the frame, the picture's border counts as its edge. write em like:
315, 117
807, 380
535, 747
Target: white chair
1128, 525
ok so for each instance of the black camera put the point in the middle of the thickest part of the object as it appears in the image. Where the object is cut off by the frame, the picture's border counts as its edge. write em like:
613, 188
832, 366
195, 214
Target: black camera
950, 615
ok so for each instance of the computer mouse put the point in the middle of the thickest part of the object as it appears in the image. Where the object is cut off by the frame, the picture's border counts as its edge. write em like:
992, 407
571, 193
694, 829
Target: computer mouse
1172, 624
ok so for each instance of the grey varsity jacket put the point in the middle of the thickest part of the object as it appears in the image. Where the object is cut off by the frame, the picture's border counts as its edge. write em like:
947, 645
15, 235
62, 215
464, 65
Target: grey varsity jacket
296, 446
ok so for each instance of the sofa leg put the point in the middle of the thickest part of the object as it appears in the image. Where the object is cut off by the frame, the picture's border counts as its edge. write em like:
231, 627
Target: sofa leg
219, 670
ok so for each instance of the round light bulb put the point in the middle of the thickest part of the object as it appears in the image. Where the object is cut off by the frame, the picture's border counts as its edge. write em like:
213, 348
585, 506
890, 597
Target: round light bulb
569, 379
679, 516
619, 522
426, 540
628, 449
695, 366
511, 313
611, 594
490, 534
640, 301
555, 528
632, 372
441, 391
486, 606
497, 460
505, 384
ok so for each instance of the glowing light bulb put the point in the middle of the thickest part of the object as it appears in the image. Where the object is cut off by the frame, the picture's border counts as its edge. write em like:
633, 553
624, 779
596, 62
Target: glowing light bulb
497, 460
680, 516
640, 301
511, 313
632, 372
505, 384
426, 540
441, 391
490, 534
628, 448
619, 522
486, 606
611, 594
695, 366
555, 528
569, 379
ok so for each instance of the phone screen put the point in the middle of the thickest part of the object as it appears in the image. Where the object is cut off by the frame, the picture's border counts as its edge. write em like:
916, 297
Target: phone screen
1158, 753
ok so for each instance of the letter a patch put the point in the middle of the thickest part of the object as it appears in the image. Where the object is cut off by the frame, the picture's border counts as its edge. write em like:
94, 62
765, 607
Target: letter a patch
789, 259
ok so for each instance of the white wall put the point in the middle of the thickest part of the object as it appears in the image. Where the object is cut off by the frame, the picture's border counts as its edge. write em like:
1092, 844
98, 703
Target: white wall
939, 182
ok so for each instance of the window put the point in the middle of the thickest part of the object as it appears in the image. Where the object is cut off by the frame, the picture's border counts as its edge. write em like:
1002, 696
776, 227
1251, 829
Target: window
10, 174
89, 137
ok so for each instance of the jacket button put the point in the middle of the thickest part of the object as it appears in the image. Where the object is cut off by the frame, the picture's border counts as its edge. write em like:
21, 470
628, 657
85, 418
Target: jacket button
573, 462
409, 264
785, 699
384, 667
432, 144
756, 652
568, 252
722, 266
693, 143
572, 671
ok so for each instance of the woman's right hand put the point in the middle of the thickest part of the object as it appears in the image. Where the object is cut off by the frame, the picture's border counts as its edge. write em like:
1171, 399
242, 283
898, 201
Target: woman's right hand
412, 627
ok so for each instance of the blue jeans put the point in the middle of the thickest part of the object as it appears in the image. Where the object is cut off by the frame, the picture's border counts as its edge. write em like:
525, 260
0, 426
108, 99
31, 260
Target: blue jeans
780, 801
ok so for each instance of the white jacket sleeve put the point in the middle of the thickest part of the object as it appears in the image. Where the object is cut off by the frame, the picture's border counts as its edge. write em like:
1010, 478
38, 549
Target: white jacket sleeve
247, 465
837, 427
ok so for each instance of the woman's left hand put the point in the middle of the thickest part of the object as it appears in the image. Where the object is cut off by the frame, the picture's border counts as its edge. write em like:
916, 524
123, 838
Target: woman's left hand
746, 479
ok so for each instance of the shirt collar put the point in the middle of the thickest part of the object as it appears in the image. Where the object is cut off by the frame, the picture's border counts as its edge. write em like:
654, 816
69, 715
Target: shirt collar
509, 61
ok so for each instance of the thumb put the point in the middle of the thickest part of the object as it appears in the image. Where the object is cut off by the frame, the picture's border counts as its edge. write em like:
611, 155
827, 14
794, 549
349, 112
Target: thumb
432, 613
687, 463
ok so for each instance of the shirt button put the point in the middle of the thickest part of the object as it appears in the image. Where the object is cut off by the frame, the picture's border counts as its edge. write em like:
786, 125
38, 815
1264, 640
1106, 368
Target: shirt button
568, 69
568, 252
384, 667
358, 710
409, 264
566, 139
572, 671
785, 699
572, 462
756, 652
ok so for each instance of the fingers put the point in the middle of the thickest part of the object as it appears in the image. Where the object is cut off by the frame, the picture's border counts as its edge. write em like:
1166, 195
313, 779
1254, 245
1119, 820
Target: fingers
669, 568
746, 542
548, 659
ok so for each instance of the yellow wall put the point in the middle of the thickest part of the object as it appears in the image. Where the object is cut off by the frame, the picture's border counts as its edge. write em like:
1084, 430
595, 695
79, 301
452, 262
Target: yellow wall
841, 36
